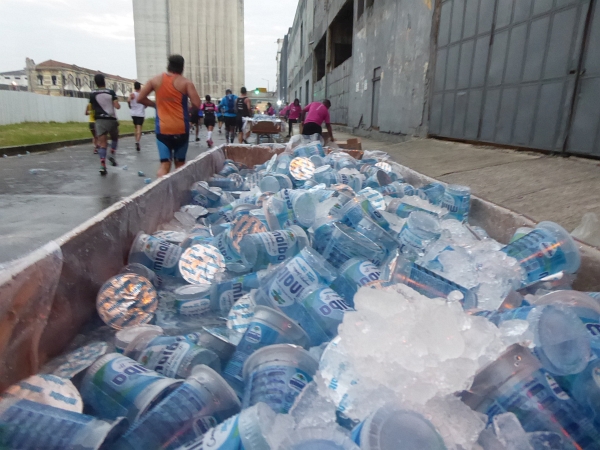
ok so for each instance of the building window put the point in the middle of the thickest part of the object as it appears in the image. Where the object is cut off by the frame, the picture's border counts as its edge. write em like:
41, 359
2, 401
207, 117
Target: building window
40, 80
78, 82
341, 35
301, 39
64, 80
300, 97
17, 78
307, 89
53, 80
7, 78
361, 9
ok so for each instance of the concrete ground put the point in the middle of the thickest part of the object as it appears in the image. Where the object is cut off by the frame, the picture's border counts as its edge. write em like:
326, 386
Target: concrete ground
36, 208
539, 186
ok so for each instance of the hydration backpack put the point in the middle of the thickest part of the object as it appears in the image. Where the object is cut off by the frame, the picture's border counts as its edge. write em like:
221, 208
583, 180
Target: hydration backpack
230, 104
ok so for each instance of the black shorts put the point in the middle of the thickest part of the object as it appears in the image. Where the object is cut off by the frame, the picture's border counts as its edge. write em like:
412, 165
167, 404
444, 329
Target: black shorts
230, 121
93, 128
239, 124
172, 147
138, 120
221, 119
194, 119
209, 121
311, 128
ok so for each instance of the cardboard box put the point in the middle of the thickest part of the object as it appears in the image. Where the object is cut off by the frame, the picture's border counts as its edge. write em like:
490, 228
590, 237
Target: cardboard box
350, 144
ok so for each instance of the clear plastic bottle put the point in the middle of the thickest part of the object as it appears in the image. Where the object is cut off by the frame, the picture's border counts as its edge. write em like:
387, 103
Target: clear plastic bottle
261, 249
172, 356
419, 232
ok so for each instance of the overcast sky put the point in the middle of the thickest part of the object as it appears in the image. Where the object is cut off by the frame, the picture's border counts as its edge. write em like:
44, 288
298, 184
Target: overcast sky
98, 34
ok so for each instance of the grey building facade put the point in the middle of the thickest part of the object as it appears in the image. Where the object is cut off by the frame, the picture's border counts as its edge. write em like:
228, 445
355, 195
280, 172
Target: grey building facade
522, 73
209, 34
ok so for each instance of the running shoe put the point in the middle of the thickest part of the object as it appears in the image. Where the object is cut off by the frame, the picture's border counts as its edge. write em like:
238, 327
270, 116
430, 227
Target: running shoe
197, 139
137, 146
113, 161
96, 151
103, 170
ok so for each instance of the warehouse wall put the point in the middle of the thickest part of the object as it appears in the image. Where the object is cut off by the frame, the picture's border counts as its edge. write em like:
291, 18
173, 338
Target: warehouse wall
151, 25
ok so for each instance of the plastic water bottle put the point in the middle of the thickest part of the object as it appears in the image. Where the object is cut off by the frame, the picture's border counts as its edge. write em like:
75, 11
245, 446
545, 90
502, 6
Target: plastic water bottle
394, 428
325, 175
403, 210
561, 341
117, 386
248, 431
31, 425
429, 283
172, 356
288, 285
225, 293
229, 183
228, 169
268, 327
546, 250
158, 255
457, 200
396, 190
419, 232
354, 274
327, 308
354, 181
261, 249
317, 438
126, 336
288, 208
276, 375
516, 383
346, 243
192, 300
433, 192
202, 402
356, 209
584, 388
375, 233
586, 308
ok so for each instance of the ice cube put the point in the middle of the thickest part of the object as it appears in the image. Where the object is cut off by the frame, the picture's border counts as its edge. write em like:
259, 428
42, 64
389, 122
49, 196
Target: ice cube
509, 432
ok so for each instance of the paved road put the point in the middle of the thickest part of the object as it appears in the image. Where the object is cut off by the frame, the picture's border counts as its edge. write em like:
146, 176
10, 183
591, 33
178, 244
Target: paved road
35, 209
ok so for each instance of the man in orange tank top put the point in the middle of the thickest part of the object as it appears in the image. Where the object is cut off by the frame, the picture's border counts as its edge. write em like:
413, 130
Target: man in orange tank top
172, 91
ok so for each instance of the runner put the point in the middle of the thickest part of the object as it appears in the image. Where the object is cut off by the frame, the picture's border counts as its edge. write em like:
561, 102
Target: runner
227, 106
104, 102
138, 113
172, 120
315, 114
195, 121
220, 116
293, 113
89, 111
243, 106
270, 111
209, 109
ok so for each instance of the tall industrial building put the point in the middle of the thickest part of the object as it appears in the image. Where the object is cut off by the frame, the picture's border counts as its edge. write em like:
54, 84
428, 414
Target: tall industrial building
209, 34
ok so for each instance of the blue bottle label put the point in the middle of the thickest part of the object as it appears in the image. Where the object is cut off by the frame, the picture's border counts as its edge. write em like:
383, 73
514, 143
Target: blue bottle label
327, 308
540, 404
156, 254
458, 205
116, 386
276, 385
278, 244
404, 210
538, 253
164, 354
362, 273
222, 437
258, 335
292, 282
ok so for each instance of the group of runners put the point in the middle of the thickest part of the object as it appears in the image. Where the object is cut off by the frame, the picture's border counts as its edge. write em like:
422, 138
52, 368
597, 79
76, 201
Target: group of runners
178, 106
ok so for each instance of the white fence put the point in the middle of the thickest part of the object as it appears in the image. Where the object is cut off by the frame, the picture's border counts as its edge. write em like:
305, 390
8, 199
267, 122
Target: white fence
17, 107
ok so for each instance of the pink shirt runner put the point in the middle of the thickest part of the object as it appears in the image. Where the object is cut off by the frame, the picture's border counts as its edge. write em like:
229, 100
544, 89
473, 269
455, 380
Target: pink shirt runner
294, 111
317, 113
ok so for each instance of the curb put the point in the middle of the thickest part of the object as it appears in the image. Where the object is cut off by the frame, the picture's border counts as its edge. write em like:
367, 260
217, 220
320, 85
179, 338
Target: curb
47, 146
